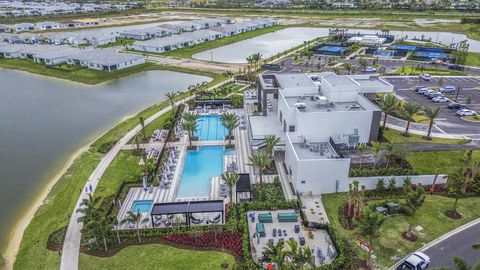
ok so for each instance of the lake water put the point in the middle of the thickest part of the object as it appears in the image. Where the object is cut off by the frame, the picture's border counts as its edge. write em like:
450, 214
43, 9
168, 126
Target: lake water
272, 43
43, 121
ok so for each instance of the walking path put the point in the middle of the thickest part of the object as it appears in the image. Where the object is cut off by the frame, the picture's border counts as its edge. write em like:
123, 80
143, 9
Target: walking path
71, 246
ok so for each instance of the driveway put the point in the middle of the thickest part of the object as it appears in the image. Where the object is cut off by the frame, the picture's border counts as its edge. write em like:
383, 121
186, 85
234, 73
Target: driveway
459, 245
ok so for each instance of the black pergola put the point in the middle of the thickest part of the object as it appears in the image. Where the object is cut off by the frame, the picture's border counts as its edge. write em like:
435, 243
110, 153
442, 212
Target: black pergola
187, 209
243, 186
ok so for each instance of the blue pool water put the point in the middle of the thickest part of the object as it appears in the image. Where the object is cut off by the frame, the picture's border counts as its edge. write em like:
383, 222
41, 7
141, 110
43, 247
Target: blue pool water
200, 166
141, 206
210, 128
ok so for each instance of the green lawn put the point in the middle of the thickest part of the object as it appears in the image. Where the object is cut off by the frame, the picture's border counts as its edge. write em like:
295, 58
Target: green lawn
158, 257
187, 52
472, 118
473, 59
446, 161
431, 71
430, 216
395, 136
53, 215
123, 167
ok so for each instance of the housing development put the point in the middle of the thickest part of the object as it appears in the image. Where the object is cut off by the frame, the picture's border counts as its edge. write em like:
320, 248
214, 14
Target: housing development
240, 135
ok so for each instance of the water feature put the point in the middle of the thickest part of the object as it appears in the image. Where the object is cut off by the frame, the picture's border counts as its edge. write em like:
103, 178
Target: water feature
210, 128
282, 40
142, 206
200, 166
43, 121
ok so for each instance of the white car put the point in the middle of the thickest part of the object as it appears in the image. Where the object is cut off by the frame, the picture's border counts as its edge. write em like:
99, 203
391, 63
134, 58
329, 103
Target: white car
429, 91
440, 99
415, 261
370, 69
425, 77
466, 112
447, 89
421, 89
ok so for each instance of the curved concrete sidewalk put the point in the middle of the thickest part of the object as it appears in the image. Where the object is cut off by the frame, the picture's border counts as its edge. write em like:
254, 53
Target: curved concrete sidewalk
71, 246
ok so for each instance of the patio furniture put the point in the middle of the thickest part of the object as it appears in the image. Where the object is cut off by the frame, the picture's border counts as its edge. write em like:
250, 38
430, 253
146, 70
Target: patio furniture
197, 220
216, 219
393, 208
301, 241
265, 218
297, 228
260, 228
167, 223
279, 232
285, 233
382, 210
287, 217
274, 233
252, 217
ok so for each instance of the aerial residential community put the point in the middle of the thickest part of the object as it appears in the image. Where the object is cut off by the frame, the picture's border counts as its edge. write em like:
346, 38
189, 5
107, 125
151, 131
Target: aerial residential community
278, 134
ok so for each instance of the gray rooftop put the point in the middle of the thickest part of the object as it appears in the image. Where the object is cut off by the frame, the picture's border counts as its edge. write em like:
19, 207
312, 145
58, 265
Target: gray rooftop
376, 82
313, 106
340, 81
292, 80
315, 150
110, 59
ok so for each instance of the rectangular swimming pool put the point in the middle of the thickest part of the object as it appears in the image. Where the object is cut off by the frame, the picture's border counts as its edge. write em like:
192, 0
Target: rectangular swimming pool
141, 206
200, 166
210, 128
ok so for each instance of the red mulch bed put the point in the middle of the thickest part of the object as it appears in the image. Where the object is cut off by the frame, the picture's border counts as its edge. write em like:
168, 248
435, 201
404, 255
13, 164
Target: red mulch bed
413, 238
226, 242
453, 215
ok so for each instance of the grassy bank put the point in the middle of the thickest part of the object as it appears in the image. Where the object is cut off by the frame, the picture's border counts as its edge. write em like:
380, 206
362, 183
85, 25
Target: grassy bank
54, 213
473, 59
432, 71
430, 217
445, 161
395, 136
187, 52
160, 257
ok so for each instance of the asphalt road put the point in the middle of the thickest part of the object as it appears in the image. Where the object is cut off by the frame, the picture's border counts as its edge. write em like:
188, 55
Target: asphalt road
459, 245
448, 121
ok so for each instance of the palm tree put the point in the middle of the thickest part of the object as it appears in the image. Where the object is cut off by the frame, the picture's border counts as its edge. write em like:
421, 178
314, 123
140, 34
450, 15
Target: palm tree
88, 208
410, 109
348, 68
431, 113
388, 104
142, 123
171, 98
456, 187
336, 70
257, 57
369, 227
230, 121
102, 226
361, 149
389, 152
276, 254
136, 219
262, 161
190, 124
363, 63
136, 141
414, 199
270, 142
377, 150
250, 61
231, 180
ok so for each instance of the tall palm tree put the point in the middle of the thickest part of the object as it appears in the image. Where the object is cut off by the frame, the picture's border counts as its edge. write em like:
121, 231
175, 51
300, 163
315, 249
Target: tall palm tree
231, 180
142, 123
136, 141
431, 113
410, 109
414, 199
101, 226
190, 124
250, 61
363, 63
456, 187
336, 70
361, 149
348, 68
261, 161
389, 152
389, 103
377, 150
136, 219
171, 98
270, 142
88, 208
369, 227
257, 57
230, 121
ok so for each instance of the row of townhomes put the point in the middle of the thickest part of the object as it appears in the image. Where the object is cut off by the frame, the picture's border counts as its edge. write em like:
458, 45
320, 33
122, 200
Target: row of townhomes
48, 25
25, 9
78, 38
99, 59
189, 38
317, 115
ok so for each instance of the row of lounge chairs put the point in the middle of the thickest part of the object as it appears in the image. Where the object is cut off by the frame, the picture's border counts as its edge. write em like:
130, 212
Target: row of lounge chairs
169, 168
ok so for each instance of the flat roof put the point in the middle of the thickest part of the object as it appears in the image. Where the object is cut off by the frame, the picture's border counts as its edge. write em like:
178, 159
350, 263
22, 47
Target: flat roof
313, 106
292, 80
187, 207
376, 82
114, 58
314, 150
262, 126
340, 81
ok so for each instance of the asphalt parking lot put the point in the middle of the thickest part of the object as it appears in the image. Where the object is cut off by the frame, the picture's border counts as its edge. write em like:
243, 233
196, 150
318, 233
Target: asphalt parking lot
447, 121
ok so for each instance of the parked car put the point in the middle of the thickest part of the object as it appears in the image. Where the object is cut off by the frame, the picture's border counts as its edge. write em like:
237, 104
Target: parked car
440, 99
415, 261
370, 69
429, 91
425, 77
434, 95
456, 67
447, 89
421, 87
466, 112
423, 90
456, 106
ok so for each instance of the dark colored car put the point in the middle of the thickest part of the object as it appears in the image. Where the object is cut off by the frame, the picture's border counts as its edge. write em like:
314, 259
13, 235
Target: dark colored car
456, 106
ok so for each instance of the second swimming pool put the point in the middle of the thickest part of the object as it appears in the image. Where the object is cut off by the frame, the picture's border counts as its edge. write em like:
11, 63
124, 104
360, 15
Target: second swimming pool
200, 166
210, 128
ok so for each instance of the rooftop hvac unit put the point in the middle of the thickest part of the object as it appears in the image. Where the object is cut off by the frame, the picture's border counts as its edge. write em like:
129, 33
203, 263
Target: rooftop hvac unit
353, 139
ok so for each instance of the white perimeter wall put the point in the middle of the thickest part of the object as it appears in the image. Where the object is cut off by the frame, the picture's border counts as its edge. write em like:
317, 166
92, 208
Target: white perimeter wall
371, 182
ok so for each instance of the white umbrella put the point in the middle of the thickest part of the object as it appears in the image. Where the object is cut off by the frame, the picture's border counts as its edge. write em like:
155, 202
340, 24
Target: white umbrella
145, 183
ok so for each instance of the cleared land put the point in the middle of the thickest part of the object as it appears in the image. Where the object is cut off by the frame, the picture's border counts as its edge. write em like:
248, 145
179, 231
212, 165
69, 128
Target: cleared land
430, 217
159, 257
